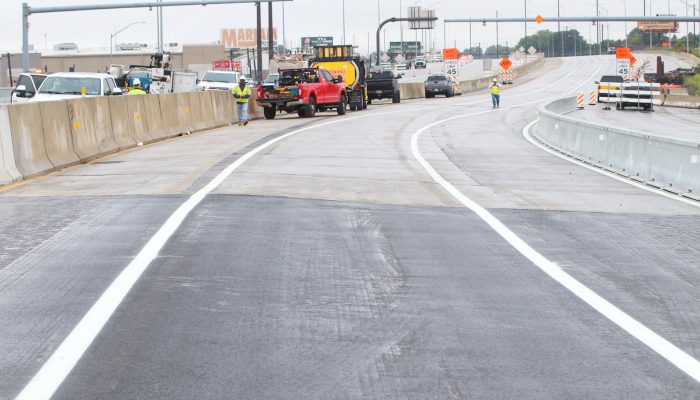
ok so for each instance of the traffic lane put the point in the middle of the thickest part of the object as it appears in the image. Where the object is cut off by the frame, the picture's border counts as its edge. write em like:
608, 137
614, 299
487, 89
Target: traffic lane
670, 122
646, 265
365, 156
167, 167
489, 160
58, 256
262, 298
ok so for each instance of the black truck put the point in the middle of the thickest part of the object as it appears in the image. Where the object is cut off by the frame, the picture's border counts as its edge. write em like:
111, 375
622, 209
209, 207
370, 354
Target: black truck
383, 85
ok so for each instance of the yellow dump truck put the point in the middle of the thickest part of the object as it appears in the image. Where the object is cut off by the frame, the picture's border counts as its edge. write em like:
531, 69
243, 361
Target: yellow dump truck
340, 61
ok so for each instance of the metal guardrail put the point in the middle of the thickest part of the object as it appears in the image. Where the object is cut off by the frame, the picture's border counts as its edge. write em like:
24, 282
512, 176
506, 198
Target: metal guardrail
663, 162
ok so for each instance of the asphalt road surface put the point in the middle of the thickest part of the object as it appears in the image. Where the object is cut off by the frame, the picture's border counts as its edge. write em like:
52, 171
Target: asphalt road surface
332, 265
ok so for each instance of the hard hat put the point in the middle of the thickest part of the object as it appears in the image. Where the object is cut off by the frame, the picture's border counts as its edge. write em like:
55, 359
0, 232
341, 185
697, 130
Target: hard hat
137, 82
495, 80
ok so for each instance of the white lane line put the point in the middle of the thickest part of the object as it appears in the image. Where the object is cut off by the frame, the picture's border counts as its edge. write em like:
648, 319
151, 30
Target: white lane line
663, 347
528, 136
55, 370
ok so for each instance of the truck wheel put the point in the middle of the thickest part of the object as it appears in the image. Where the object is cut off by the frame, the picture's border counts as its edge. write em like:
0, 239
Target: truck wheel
450, 93
300, 113
429, 95
364, 104
270, 112
342, 106
310, 109
396, 98
370, 101
353, 108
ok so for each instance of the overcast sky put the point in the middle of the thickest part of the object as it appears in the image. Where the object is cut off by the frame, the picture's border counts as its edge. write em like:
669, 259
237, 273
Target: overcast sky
197, 24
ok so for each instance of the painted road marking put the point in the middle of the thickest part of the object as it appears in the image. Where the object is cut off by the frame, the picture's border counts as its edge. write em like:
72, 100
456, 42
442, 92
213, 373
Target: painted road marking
663, 347
55, 370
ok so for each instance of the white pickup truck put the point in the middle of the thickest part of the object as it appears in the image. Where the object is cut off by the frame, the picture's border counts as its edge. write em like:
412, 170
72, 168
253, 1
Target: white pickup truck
68, 85
29, 83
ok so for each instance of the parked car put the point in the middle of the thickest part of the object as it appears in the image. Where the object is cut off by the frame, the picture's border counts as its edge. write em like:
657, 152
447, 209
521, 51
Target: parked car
30, 83
439, 84
304, 91
384, 85
68, 85
218, 80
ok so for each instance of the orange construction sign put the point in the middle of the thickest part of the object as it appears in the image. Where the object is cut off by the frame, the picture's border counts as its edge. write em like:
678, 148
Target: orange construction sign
632, 59
450, 54
622, 52
505, 63
539, 19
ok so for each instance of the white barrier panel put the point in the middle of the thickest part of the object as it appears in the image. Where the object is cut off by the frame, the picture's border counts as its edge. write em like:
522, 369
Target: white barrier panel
666, 163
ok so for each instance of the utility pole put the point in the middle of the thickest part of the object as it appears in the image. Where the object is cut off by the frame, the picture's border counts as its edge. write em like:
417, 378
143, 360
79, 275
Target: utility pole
401, 30
561, 40
270, 36
525, 23
598, 28
259, 42
284, 38
344, 22
497, 49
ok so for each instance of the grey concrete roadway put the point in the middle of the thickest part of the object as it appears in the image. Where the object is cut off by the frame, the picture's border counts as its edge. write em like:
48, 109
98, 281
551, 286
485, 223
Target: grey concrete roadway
330, 265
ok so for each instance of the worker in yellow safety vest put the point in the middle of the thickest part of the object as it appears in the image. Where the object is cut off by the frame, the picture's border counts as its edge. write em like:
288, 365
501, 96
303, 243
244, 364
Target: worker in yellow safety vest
241, 93
137, 88
495, 93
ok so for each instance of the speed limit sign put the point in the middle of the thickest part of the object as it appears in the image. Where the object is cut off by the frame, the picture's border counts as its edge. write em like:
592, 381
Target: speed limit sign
452, 68
622, 66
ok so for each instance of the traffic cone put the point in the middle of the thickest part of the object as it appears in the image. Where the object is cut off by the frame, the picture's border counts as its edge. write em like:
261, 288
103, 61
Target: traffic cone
593, 98
580, 100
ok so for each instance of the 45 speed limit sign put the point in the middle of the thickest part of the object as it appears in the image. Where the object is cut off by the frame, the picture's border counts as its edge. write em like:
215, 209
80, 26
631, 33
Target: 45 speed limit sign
452, 68
622, 66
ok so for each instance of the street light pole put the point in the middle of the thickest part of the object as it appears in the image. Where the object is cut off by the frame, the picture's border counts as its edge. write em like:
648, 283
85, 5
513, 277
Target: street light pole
344, 22
525, 23
561, 39
113, 35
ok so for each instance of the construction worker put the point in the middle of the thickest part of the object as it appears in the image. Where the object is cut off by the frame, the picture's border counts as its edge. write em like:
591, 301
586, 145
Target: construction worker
495, 93
137, 88
241, 93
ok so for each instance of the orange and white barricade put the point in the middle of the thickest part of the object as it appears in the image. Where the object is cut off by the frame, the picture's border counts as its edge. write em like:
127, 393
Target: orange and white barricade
593, 98
580, 100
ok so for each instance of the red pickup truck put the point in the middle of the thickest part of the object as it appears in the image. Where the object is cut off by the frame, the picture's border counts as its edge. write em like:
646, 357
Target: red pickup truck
304, 90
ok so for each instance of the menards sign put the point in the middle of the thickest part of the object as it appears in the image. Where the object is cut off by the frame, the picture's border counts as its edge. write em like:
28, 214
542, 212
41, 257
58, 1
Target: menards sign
245, 37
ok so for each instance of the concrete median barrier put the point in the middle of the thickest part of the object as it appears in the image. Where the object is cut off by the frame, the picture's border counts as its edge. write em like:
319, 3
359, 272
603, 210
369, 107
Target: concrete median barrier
123, 124
173, 114
412, 90
153, 117
667, 163
91, 125
28, 142
8, 169
138, 118
193, 110
669, 100
222, 107
57, 134
203, 116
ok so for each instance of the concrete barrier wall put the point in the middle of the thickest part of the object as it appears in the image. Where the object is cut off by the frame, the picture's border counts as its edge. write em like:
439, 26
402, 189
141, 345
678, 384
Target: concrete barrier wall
412, 90
8, 169
36, 138
123, 124
57, 134
28, 142
666, 163
669, 100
